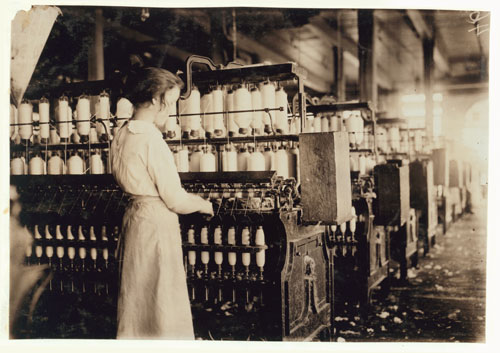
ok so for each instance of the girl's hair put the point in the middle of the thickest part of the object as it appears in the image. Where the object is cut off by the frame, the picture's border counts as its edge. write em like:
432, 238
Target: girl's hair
151, 82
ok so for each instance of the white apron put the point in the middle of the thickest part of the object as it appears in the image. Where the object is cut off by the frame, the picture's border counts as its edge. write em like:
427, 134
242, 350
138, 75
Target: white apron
153, 297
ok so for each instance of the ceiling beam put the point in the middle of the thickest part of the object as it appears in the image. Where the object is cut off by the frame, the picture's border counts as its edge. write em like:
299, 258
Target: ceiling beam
419, 24
265, 53
322, 29
423, 30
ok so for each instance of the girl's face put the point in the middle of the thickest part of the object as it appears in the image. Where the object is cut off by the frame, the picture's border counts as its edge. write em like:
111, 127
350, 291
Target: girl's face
170, 98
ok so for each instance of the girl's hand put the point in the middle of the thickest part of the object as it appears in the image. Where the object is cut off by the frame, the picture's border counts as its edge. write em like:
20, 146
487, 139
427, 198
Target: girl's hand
207, 208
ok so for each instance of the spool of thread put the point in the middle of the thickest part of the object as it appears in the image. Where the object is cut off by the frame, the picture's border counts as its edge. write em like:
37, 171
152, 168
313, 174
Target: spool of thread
183, 166
36, 166
75, 138
49, 251
207, 162
96, 164
281, 122
256, 162
335, 123
62, 118
257, 117
352, 222
55, 165
282, 164
17, 166
205, 255
93, 135
81, 237
294, 163
83, 116
343, 228
36, 232
243, 156
70, 119
268, 101
382, 139
104, 235
317, 123
394, 138
243, 101
231, 240
351, 124
25, 116
60, 252
260, 240
124, 111
232, 128
309, 125
59, 235
245, 240
191, 105
171, 126
69, 233
298, 125
360, 128
218, 106
25, 165
269, 157
44, 114
404, 143
293, 127
75, 165
38, 251
353, 163
13, 120
103, 112
190, 240
194, 162
218, 241
362, 164
82, 252
229, 159
370, 164
325, 124
47, 233
105, 254
207, 120
29, 251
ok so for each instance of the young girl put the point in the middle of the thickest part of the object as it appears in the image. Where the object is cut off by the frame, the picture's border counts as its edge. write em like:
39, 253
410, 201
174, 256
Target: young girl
153, 298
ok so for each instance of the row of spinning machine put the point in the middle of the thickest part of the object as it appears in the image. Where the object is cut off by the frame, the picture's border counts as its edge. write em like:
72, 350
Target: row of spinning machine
241, 138
361, 246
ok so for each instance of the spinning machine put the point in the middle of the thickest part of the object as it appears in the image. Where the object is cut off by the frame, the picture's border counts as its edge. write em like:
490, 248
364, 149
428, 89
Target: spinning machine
262, 267
361, 249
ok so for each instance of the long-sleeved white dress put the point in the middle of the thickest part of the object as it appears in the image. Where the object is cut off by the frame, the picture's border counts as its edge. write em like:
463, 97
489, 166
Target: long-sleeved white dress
153, 297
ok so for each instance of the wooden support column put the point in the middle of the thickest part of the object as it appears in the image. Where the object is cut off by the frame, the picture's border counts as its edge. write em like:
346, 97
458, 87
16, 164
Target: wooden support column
428, 46
338, 70
366, 55
218, 41
96, 50
338, 64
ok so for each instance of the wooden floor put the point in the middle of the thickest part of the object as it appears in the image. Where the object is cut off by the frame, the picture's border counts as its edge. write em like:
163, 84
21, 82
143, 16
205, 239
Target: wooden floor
444, 300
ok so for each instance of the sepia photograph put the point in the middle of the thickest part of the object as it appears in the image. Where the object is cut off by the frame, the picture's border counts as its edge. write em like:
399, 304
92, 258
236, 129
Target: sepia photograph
248, 173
